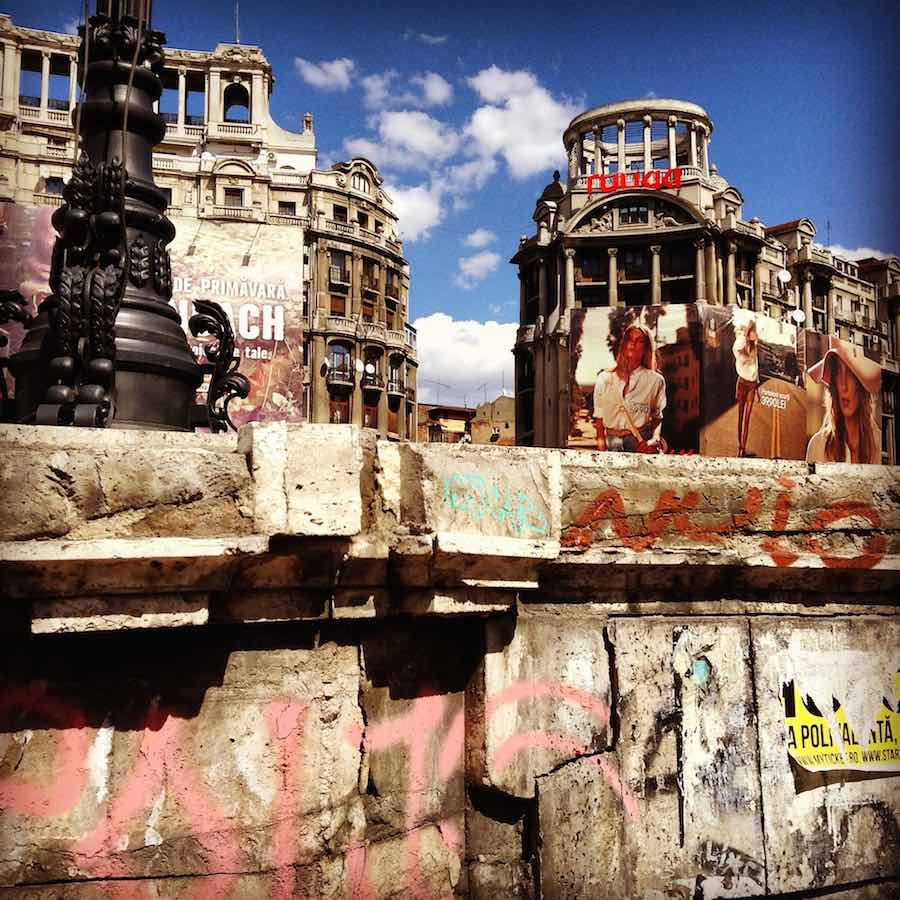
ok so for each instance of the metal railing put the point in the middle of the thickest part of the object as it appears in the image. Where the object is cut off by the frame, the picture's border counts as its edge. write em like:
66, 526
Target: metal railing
374, 381
396, 386
342, 375
338, 275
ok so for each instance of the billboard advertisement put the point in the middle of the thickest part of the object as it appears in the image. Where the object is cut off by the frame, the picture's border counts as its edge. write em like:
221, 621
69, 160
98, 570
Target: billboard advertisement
754, 400
254, 271
843, 385
635, 379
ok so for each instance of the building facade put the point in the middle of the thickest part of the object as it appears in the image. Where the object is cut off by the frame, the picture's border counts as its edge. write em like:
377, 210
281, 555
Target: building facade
643, 218
224, 159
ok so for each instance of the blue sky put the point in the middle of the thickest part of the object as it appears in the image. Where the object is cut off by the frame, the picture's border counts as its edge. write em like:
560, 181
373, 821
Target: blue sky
463, 108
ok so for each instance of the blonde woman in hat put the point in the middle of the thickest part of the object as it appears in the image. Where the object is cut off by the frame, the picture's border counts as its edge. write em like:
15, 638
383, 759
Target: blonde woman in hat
629, 399
746, 363
851, 379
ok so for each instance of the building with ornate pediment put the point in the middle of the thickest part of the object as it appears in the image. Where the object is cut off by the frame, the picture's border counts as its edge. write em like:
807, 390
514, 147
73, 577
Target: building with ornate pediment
225, 160
643, 218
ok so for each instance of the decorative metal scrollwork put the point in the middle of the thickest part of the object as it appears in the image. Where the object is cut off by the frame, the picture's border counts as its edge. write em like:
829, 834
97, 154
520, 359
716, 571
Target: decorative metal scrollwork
225, 383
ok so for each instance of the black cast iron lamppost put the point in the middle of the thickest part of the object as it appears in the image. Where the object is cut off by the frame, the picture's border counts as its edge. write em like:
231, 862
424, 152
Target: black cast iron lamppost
106, 347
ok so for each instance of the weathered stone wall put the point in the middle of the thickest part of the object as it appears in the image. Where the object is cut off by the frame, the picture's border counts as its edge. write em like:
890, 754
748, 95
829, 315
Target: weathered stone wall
304, 663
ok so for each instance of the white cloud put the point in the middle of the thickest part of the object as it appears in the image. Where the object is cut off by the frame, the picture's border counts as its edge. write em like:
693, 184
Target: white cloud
463, 355
418, 210
480, 237
71, 26
409, 139
436, 90
329, 75
428, 89
475, 268
859, 252
430, 39
522, 121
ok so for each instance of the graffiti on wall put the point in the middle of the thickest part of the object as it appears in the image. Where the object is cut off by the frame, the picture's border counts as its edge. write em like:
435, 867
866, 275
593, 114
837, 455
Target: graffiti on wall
479, 498
677, 513
164, 760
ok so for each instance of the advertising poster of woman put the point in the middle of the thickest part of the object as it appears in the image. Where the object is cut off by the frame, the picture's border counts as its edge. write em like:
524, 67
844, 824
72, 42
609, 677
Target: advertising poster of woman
635, 379
849, 390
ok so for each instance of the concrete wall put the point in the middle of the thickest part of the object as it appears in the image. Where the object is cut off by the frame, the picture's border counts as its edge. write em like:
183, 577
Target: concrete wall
301, 662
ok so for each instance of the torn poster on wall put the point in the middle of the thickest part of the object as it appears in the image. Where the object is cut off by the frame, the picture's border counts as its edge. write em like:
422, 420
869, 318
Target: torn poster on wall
826, 744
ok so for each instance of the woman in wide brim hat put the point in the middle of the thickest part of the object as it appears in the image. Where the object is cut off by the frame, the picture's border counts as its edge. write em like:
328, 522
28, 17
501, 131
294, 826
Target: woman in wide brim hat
851, 380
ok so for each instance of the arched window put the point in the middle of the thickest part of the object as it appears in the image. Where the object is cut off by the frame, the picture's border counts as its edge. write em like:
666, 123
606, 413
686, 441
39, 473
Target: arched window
237, 103
359, 182
340, 360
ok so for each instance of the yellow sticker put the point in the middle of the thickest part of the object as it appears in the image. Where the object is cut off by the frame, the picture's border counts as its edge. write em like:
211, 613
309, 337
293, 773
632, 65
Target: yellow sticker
814, 745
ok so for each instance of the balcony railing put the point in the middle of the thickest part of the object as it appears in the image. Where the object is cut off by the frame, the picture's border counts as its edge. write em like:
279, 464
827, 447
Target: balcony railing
235, 129
393, 246
48, 199
341, 324
245, 213
160, 162
370, 283
395, 338
396, 386
341, 376
745, 277
288, 178
59, 152
411, 336
373, 382
194, 130
344, 228
391, 290
282, 219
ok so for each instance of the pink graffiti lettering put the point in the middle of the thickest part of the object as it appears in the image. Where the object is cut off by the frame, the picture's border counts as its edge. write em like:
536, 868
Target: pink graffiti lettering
653, 179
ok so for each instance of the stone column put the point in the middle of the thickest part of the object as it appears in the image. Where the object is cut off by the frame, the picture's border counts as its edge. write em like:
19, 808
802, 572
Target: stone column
182, 97
673, 156
572, 156
213, 98
699, 280
8, 86
655, 278
710, 252
257, 97
522, 298
807, 280
383, 398
620, 123
758, 272
694, 144
318, 390
829, 308
356, 411
720, 281
320, 283
705, 152
356, 286
613, 277
648, 160
73, 82
598, 150
730, 283
569, 294
45, 81
579, 153
542, 289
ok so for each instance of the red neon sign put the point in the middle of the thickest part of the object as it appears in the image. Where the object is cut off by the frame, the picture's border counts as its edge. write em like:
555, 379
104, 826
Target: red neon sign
655, 179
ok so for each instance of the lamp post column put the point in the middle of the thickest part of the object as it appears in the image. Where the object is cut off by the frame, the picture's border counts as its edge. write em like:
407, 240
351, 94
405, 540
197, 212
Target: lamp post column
655, 278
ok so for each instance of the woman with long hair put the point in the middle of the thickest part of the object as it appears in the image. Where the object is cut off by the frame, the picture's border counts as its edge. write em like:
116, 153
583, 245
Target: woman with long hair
851, 380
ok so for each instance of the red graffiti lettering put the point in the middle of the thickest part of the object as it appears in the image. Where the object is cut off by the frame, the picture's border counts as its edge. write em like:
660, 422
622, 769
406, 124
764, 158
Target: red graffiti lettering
781, 556
874, 547
653, 179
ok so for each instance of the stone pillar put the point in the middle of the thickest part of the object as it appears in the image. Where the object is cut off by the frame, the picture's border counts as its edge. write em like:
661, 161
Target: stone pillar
572, 156
620, 123
257, 97
182, 96
807, 279
673, 156
730, 283
318, 390
613, 277
758, 272
383, 398
542, 289
213, 97
522, 298
720, 281
710, 251
829, 308
73, 82
598, 150
694, 144
655, 278
648, 160
8, 86
569, 293
45, 81
699, 279
356, 286
579, 153
705, 152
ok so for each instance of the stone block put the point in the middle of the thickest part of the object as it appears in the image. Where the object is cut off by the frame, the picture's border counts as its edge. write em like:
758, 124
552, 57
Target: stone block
542, 696
119, 613
831, 808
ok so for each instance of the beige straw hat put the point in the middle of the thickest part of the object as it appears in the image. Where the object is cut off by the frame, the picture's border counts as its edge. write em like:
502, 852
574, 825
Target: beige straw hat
866, 370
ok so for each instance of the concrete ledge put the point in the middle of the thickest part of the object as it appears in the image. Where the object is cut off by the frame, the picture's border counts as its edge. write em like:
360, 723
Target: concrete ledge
371, 528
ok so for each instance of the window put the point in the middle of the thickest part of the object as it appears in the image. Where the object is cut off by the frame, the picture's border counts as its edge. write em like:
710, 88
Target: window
236, 102
55, 185
363, 219
359, 182
287, 208
338, 305
339, 213
379, 227
167, 193
340, 361
633, 215
234, 196
368, 311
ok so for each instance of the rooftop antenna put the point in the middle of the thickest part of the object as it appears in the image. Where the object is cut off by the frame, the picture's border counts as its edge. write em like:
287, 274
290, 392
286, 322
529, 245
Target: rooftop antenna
237, 23
440, 384
484, 386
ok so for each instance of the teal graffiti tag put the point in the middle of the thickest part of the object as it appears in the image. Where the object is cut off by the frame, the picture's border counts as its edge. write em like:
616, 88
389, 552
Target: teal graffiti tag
473, 496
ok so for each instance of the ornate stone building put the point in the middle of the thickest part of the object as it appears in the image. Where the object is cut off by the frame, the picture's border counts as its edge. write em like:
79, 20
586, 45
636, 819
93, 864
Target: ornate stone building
224, 159
644, 218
